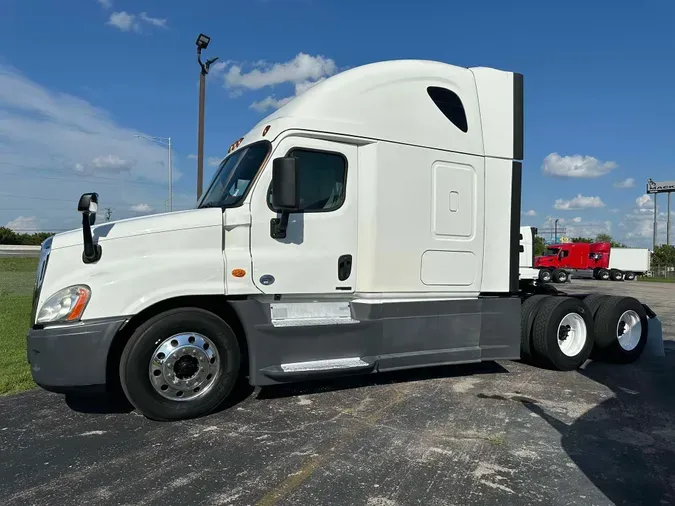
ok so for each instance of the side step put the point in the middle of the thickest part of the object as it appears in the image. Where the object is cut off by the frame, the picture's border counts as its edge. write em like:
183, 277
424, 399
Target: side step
313, 368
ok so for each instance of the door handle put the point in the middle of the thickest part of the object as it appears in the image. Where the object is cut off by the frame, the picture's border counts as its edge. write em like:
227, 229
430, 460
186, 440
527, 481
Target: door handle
344, 267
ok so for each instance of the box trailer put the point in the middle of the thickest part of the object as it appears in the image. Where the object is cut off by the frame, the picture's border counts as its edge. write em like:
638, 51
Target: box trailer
371, 224
630, 262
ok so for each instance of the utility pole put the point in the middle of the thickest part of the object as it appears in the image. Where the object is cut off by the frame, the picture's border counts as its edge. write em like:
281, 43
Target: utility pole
202, 43
108, 213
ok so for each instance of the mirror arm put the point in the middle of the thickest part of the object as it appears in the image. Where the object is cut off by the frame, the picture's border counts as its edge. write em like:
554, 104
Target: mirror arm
278, 226
92, 252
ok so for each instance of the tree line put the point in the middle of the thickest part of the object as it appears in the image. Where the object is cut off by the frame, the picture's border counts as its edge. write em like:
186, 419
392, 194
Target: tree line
8, 236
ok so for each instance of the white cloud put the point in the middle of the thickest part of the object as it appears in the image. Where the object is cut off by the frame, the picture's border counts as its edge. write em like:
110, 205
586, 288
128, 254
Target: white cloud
111, 163
302, 68
23, 225
192, 156
645, 202
614, 210
576, 166
141, 208
160, 22
55, 146
626, 183
124, 21
214, 161
531, 212
579, 202
272, 102
577, 219
106, 4
131, 22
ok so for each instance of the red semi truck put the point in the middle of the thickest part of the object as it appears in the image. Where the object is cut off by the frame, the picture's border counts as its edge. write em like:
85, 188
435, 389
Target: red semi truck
596, 260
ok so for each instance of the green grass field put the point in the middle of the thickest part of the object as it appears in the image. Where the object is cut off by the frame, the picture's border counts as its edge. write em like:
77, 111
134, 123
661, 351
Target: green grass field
17, 276
657, 279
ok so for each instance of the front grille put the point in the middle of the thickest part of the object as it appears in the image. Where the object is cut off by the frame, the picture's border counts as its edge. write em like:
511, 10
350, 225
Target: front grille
40, 276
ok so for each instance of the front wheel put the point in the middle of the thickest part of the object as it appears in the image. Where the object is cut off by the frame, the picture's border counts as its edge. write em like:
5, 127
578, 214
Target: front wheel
180, 364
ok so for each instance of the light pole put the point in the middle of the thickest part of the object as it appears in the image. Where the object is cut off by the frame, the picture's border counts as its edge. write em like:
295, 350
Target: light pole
164, 141
202, 43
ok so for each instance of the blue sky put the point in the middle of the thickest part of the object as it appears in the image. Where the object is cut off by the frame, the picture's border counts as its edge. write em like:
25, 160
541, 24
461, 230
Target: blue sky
79, 78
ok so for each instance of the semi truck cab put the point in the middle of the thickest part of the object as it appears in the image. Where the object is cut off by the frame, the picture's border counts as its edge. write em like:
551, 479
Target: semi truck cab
360, 228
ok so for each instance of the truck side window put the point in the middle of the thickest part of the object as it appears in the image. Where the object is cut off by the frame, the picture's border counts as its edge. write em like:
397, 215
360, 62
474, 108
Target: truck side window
323, 177
564, 254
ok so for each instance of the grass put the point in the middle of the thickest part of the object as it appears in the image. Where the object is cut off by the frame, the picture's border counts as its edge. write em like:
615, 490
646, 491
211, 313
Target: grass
17, 276
657, 279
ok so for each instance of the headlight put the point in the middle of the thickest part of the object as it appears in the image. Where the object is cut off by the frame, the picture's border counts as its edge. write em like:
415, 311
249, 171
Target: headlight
65, 305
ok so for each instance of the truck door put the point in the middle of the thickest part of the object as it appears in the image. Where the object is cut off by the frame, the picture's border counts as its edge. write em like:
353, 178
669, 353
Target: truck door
318, 255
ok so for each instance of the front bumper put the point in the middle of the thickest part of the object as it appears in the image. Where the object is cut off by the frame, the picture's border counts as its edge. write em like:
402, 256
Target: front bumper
71, 357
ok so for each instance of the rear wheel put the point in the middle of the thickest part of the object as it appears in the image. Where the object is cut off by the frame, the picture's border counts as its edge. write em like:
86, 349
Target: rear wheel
563, 334
528, 311
594, 301
603, 275
560, 276
616, 275
629, 276
545, 276
621, 329
180, 364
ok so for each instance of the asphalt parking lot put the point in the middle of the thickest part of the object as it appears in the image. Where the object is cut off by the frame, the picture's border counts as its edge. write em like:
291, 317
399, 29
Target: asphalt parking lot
494, 433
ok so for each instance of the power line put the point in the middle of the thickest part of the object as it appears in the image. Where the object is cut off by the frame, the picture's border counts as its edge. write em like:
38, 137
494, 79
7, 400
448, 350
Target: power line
90, 178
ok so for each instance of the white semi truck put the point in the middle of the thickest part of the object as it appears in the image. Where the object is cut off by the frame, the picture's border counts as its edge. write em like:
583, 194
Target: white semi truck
371, 224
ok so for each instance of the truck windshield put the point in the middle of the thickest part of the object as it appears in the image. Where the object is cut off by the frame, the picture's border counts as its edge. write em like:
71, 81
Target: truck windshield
229, 185
551, 252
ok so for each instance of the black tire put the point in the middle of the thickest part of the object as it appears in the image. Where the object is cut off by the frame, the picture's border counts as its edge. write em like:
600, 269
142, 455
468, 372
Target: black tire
545, 332
528, 311
603, 275
545, 276
595, 273
629, 276
135, 362
607, 321
559, 276
616, 275
594, 301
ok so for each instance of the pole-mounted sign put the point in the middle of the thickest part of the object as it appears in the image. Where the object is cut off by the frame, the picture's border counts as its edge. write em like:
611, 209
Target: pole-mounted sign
660, 187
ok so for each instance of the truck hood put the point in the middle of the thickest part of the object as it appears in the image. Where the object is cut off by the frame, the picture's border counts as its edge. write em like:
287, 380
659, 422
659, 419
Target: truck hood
145, 225
544, 261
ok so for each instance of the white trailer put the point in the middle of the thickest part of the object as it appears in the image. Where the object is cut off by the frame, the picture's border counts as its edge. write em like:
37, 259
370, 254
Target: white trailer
630, 262
526, 258
371, 224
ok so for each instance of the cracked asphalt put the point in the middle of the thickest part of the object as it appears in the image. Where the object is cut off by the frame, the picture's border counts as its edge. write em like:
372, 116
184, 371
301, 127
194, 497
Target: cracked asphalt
493, 433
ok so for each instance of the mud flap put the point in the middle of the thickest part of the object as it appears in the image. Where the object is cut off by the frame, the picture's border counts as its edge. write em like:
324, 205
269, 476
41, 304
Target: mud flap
654, 346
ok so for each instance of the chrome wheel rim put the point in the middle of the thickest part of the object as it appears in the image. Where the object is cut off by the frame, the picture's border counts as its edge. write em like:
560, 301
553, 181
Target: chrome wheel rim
629, 330
572, 334
184, 366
